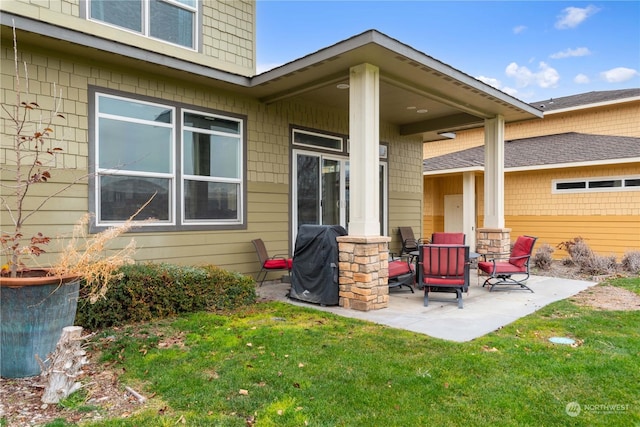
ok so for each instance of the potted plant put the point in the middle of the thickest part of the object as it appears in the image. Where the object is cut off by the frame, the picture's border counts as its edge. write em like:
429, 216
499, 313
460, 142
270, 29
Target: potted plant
35, 302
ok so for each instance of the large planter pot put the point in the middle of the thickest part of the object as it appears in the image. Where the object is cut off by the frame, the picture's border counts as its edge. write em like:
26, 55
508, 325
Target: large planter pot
33, 311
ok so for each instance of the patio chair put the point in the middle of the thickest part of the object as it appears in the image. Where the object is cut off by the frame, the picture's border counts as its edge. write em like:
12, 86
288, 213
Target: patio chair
441, 238
409, 242
402, 273
511, 272
270, 263
443, 268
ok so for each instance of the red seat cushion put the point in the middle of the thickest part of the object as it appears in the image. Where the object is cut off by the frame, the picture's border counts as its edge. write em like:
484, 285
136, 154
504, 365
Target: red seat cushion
279, 263
521, 248
443, 282
501, 267
398, 267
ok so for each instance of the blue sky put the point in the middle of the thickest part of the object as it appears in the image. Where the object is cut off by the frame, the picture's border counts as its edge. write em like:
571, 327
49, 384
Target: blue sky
533, 50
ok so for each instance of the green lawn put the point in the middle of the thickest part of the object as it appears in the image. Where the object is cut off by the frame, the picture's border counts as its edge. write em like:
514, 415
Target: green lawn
275, 364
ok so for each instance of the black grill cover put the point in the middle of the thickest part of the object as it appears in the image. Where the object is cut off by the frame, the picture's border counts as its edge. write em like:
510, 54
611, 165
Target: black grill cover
314, 277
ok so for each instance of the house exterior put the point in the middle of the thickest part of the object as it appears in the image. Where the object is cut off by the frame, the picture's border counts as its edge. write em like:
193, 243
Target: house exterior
162, 98
574, 173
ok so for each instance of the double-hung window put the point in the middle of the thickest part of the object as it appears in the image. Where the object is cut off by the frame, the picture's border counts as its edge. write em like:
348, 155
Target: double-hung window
182, 166
173, 21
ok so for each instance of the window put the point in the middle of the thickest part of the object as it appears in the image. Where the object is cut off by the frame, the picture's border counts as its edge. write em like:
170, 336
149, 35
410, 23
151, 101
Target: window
173, 21
186, 165
597, 184
317, 140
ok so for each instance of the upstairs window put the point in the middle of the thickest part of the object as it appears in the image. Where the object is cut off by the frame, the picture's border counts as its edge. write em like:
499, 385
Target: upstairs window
172, 21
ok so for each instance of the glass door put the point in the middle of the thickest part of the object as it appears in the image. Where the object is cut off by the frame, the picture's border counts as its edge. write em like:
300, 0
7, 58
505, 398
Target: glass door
321, 194
321, 191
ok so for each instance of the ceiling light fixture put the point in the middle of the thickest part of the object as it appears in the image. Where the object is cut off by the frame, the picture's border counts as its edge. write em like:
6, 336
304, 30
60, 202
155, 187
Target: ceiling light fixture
450, 135
343, 86
422, 111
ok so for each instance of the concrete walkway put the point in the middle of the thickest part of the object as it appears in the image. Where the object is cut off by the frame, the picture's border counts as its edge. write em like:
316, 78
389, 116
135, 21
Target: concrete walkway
483, 311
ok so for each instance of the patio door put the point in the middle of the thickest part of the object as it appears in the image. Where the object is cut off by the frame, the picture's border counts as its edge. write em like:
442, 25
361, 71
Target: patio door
321, 190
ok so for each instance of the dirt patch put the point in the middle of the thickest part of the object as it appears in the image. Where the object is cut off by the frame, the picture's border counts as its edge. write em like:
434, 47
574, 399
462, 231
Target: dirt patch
21, 405
608, 298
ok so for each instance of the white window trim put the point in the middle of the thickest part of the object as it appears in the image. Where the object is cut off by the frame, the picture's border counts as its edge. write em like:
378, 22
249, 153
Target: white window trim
177, 220
146, 22
586, 181
239, 180
123, 171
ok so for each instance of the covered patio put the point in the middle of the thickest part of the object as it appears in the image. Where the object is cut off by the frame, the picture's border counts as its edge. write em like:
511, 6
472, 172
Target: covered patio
483, 312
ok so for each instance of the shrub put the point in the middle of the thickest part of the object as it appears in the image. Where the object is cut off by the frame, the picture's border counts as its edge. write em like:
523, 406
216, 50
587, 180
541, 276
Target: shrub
577, 249
631, 262
152, 291
598, 265
543, 259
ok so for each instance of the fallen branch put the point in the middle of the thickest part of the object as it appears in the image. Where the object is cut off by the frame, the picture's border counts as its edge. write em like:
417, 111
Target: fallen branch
135, 394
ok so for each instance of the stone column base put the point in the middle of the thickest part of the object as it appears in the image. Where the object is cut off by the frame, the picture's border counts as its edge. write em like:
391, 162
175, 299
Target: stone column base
364, 272
494, 241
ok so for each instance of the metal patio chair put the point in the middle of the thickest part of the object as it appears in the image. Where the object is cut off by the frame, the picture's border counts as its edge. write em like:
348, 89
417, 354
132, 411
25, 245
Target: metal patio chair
270, 263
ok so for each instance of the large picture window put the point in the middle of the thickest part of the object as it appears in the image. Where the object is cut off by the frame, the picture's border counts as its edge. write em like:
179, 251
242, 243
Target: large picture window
173, 21
186, 165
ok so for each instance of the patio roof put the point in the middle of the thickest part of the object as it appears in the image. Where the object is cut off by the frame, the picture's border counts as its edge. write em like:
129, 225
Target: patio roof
410, 81
408, 78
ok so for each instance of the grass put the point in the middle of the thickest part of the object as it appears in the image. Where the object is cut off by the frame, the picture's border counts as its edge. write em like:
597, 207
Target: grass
275, 364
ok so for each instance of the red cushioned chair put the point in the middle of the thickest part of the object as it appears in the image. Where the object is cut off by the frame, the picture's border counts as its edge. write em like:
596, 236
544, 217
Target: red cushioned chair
443, 268
273, 263
402, 273
515, 270
440, 238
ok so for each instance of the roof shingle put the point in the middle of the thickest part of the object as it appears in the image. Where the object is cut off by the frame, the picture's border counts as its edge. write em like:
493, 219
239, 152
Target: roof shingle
561, 148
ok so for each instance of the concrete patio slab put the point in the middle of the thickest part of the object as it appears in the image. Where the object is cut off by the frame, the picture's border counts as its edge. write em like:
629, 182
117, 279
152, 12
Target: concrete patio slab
483, 311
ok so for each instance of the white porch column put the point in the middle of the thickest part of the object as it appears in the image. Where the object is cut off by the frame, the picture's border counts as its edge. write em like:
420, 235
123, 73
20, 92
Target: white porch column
469, 208
364, 135
494, 172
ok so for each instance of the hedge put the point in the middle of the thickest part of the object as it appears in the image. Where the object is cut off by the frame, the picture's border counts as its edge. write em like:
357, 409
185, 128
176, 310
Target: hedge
153, 291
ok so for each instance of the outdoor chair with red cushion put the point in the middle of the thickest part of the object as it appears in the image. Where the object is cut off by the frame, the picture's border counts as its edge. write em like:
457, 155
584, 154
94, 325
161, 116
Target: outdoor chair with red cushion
446, 238
443, 268
270, 263
402, 273
511, 272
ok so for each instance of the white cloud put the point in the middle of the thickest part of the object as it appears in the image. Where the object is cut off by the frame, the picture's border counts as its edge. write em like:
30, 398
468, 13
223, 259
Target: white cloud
581, 79
519, 29
571, 17
511, 91
619, 74
580, 51
546, 76
490, 81
498, 85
